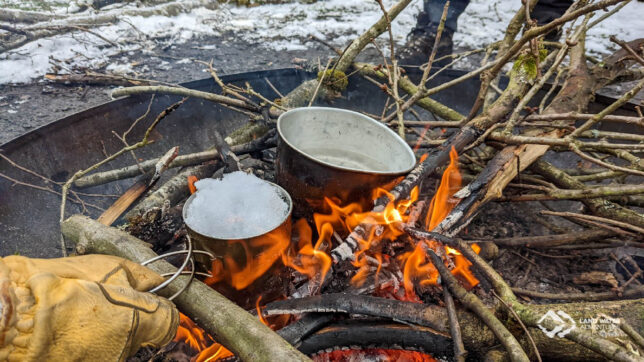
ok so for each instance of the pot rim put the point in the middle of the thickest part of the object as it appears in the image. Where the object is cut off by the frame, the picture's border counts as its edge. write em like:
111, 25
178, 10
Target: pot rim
344, 168
284, 220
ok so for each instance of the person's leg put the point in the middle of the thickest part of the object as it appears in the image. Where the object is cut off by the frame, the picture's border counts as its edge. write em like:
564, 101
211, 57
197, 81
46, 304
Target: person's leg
421, 39
434, 10
548, 10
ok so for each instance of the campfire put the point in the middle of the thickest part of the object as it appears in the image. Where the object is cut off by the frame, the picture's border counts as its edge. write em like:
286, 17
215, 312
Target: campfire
386, 263
504, 226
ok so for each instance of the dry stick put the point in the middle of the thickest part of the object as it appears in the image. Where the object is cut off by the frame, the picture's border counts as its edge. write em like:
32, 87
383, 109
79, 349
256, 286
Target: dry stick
302, 94
394, 74
144, 141
48, 189
597, 344
229, 324
490, 74
415, 313
185, 160
595, 218
608, 110
514, 117
597, 206
185, 92
574, 116
547, 241
634, 292
631, 332
563, 142
518, 319
514, 27
601, 191
320, 82
608, 14
470, 301
57, 24
344, 63
453, 117
626, 47
574, 148
454, 328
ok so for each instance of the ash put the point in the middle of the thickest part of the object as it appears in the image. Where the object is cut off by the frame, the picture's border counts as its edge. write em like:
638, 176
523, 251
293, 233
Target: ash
237, 206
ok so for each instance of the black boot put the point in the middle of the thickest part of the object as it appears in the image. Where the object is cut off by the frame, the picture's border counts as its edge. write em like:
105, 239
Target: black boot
420, 42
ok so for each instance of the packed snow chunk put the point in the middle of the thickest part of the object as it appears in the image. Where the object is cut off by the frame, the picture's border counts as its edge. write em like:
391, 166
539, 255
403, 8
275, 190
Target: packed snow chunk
239, 205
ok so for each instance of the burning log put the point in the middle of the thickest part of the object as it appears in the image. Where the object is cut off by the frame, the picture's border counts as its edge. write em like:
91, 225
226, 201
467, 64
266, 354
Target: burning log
238, 330
477, 337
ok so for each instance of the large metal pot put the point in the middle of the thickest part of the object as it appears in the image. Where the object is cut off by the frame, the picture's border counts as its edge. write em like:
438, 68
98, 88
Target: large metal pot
336, 153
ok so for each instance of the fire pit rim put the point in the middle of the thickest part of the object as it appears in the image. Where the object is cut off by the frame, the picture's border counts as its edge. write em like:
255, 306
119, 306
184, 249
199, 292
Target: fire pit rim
386, 129
280, 189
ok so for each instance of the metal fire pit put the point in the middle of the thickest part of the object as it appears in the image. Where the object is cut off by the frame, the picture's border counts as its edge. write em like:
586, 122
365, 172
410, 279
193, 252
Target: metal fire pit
29, 219
337, 153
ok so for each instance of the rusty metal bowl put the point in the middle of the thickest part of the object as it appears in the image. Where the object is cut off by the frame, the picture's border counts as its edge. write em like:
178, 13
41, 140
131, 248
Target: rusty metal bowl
337, 153
243, 247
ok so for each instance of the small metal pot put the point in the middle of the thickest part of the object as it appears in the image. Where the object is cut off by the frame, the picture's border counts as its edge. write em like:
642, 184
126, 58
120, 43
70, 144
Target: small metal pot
246, 246
336, 153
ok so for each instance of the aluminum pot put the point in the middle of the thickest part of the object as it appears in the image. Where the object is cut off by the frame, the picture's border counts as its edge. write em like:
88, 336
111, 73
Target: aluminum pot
244, 248
337, 153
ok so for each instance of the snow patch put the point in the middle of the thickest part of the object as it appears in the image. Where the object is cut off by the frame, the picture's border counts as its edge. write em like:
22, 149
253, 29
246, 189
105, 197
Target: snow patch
282, 27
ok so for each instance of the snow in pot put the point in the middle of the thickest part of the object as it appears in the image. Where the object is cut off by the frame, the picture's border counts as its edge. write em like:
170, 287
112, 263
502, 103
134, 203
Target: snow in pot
238, 206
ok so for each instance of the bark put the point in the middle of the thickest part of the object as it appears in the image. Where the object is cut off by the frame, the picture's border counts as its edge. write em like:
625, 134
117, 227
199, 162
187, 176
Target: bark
229, 324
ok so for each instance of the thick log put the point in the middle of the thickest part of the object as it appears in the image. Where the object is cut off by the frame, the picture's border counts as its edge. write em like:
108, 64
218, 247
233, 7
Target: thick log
229, 324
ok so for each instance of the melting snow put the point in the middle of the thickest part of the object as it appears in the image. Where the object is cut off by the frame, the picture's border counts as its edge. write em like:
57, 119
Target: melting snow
236, 206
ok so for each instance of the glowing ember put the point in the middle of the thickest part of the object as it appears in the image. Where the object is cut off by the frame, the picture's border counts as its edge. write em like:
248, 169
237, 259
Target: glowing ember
373, 354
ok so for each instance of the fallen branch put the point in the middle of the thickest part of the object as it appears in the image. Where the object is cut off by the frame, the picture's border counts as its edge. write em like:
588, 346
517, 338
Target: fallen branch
184, 160
474, 304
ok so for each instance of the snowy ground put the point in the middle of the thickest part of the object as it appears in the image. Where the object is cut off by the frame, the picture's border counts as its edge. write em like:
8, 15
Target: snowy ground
237, 38
283, 27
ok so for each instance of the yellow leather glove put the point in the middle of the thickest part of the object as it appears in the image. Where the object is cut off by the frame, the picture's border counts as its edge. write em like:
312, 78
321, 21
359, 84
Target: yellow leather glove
90, 308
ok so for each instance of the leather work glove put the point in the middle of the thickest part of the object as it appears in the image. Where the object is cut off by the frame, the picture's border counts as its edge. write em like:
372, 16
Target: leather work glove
90, 308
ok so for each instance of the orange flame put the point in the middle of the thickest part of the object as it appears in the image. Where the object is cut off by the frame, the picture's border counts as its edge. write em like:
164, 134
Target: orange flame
189, 333
310, 260
417, 267
191, 183
247, 260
